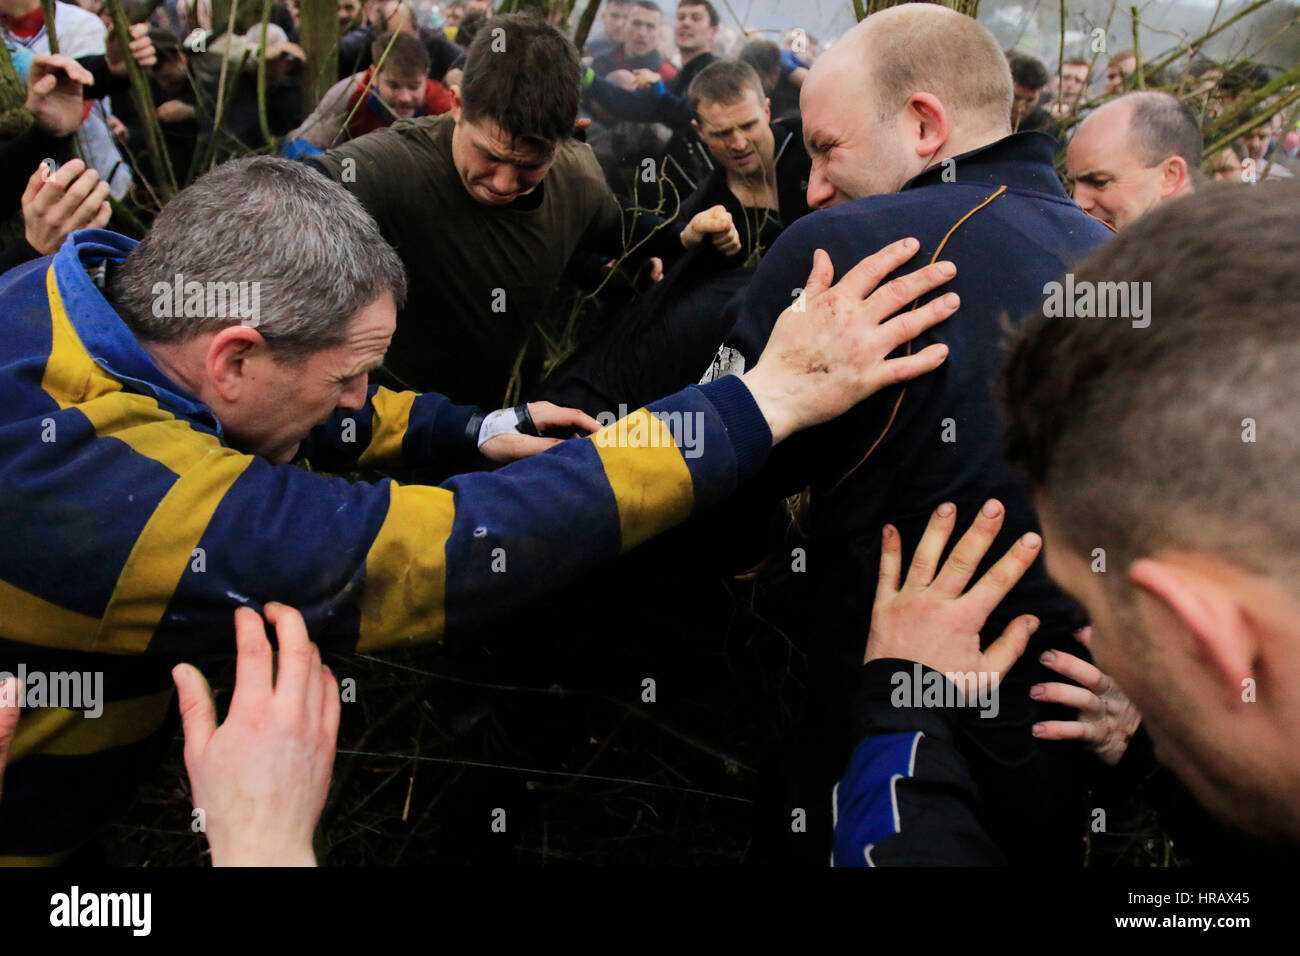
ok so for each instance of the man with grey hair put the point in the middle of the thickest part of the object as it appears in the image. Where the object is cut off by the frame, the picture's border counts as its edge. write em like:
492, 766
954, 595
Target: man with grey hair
1132, 154
146, 442
907, 121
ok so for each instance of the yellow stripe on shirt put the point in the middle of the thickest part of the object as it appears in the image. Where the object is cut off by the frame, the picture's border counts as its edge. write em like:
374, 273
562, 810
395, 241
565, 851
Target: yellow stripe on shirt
59, 732
207, 470
164, 550
69, 368
54, 859
33, 620
72, 377
392, 417
647, 474
406, 569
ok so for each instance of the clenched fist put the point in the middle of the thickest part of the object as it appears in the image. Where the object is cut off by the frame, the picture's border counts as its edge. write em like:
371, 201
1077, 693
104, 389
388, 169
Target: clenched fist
717, 225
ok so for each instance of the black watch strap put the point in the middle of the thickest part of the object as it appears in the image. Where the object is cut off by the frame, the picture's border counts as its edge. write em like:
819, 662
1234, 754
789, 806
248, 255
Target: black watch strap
526, 424
473, 426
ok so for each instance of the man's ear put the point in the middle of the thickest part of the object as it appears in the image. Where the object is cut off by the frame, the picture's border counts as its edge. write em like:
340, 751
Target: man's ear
767, 109
1173, 175
456, 104
225, 361
928, 118
695, 125
1210, 614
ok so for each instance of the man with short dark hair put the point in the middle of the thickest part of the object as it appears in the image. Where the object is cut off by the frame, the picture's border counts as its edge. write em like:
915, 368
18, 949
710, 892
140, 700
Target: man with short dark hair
1075, 75
661, 98
356, 48
619, 143
1258, 157
761, 169
640, 47
400, 88
1171, 446
349, 14
1119, 67
696, 29
765, 57
487, 206
782, 74
613, 22
1028, 80
672, 331
1132, 153
452, 16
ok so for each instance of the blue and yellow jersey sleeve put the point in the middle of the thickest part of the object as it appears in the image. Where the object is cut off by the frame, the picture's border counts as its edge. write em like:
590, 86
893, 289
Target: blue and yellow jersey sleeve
139, 530
396, 430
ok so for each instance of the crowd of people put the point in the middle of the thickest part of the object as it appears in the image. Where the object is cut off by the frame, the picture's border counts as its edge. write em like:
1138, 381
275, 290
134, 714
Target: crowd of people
906, 286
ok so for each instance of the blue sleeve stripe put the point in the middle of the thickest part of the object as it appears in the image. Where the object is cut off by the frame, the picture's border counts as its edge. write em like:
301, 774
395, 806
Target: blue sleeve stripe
865, 802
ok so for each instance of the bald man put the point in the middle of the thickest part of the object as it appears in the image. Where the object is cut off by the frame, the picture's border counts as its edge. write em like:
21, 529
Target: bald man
1196, 617
1132, 154
907, 121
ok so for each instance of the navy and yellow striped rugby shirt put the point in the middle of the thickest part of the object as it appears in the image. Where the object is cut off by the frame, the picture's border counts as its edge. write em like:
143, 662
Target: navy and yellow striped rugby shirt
130, 530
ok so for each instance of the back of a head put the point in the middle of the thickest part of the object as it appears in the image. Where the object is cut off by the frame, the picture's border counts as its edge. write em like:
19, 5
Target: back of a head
522, 73
1244, 77
1027, 71
405, 56
1161, 126
1180, 434
763, 55
725, 81
165, 45
469, 27
923, 47
1200, 65
315, 254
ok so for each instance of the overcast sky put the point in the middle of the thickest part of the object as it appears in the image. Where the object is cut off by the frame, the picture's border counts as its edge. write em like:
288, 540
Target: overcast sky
1030, 24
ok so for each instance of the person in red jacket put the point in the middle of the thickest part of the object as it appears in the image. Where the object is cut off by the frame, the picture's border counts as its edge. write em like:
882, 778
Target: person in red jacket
399, 88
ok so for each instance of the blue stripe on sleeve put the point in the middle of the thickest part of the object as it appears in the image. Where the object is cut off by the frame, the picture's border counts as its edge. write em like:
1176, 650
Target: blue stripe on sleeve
866, 811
